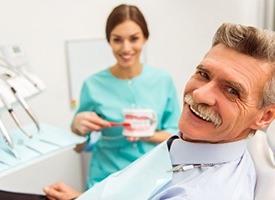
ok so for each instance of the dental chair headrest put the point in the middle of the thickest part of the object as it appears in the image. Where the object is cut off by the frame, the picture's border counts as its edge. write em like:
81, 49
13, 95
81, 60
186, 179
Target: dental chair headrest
270, 135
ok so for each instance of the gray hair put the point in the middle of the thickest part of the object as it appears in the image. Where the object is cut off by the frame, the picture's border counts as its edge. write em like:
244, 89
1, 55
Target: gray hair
254, 42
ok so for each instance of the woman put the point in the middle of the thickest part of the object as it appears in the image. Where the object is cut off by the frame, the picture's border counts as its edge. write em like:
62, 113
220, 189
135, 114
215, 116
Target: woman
127, 84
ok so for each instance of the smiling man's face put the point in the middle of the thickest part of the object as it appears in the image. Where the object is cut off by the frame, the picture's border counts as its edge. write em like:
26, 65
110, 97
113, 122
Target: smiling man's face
221, 100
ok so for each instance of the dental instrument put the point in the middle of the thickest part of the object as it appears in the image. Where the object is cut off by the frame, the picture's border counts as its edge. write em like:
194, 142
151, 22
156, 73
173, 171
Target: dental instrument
8, 139
21, 100
5, 134
14, 116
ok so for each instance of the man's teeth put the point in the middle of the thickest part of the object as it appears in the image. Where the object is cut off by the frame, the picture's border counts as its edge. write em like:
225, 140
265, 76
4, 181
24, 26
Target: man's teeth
206, 118
188, 98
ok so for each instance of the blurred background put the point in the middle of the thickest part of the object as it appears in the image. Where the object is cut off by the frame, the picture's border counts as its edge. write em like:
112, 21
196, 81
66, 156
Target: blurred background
181, 33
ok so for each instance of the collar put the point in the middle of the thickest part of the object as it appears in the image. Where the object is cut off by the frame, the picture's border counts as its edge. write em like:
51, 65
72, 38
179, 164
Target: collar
184, 153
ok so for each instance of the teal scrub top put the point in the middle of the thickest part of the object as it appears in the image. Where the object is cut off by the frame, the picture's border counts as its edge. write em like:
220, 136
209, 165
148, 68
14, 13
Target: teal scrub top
107, 95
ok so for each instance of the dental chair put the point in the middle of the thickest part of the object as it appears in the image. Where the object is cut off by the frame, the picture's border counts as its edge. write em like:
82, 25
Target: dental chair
262, 149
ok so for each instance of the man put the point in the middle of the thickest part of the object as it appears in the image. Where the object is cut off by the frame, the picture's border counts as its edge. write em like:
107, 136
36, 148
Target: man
230, 96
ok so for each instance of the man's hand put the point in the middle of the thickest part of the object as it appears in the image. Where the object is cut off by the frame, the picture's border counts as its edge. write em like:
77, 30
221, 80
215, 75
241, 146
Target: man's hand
60, 191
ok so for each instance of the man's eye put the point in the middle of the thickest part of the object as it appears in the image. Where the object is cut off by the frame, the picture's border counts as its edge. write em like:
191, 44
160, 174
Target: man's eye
203, 74
233, 91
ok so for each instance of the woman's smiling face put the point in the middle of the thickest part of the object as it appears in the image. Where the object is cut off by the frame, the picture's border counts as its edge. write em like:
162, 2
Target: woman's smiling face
127, 41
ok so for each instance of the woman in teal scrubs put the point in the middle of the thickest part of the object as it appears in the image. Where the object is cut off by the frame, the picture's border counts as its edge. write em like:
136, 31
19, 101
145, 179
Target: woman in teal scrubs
127, 84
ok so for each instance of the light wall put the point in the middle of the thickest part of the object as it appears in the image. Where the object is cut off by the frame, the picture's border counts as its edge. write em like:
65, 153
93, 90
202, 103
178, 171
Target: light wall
181, 33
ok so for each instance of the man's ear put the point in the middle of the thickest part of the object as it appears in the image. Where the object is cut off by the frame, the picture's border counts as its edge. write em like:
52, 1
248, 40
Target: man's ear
267, 116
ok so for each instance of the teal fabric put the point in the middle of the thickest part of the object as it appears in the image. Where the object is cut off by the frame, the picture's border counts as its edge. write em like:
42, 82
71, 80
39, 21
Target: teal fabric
107, 95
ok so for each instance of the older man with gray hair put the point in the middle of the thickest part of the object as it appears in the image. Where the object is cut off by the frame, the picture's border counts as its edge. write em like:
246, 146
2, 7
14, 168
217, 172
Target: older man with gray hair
229, 97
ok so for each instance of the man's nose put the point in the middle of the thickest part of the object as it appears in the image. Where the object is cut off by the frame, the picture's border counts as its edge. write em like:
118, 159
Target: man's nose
205, 94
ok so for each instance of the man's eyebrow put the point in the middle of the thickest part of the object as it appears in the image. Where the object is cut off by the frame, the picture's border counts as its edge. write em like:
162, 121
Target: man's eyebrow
203, 68
236, 86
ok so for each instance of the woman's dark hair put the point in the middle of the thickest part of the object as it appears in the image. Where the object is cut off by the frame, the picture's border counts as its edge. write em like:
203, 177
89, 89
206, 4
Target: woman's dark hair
125, 12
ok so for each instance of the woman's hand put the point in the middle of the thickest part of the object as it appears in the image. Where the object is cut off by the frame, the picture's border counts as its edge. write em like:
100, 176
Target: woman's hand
86, 122
60, 191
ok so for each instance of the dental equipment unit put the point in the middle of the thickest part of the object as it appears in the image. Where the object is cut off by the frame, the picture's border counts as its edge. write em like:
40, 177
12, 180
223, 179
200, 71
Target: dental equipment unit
20, 99
5, 134
19, 72
14, 116
8, 139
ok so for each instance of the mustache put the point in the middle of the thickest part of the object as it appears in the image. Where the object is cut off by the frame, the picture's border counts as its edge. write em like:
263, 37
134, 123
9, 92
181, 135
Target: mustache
203, 111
